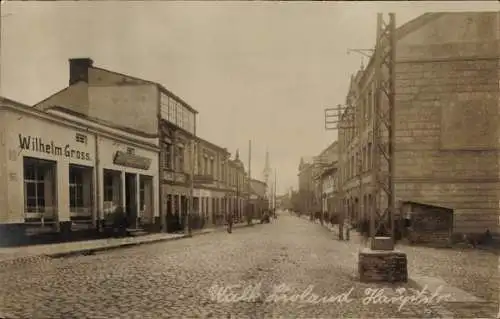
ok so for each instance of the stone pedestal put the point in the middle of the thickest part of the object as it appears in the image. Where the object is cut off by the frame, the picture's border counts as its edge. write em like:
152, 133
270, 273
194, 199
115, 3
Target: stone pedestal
382, 243
382, 266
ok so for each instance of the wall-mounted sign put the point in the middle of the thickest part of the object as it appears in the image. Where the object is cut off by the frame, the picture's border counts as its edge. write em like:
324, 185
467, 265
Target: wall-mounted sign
203, 179
37, 144
131, 160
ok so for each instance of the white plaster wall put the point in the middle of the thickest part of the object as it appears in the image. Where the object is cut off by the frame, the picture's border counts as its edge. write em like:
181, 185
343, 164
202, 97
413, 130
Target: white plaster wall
3, 167
107, 149
15, 124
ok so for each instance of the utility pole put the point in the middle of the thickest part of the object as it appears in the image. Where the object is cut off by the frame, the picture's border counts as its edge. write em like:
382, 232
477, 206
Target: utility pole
191, 188
274, 195
249, 215
383, 216
382, 213
341, 118
237, 194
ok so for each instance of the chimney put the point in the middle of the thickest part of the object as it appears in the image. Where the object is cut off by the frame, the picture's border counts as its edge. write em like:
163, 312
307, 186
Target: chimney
79, 70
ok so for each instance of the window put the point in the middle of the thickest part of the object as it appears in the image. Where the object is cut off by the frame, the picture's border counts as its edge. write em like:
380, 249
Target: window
167, 155
185, 124
171, 110
80, 138
142, 197
175, 111
180, 159
369, 155
364, 164
34, 188
130, 151
75, 188
108, 187
212, 172
180, 116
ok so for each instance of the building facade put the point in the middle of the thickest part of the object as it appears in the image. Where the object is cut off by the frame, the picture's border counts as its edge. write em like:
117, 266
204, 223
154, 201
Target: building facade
143, 106
64, 172
237, 182
324, 175
218, 183
446, 127
329, 192
259, 201
306, 191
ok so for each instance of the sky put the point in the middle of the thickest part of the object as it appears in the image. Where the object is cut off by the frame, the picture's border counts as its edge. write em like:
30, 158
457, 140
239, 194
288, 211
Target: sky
258, 71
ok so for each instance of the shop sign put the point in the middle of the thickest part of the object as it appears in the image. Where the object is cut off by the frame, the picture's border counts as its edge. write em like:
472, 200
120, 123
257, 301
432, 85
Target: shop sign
37, 144
180, 177
131, 160
170, 176
203, 179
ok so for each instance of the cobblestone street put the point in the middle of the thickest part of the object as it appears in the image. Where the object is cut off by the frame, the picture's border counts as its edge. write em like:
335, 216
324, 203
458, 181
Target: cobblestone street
177, 279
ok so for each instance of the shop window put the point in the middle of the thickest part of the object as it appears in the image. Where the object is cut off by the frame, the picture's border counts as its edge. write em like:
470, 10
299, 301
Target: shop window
108, 187
142, 197
39, 185
75, 189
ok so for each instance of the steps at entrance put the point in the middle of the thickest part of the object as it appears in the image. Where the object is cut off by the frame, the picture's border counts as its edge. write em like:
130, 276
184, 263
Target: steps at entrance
134, 232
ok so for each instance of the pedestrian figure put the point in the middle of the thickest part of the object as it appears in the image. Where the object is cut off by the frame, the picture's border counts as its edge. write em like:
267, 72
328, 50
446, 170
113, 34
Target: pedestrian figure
365, 231
229, 222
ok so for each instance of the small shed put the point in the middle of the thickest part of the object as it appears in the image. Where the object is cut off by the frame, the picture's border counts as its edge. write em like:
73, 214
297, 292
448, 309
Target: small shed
427, 224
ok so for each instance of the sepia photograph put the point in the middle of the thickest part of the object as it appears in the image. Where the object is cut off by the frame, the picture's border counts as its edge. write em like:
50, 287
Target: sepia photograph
249, 159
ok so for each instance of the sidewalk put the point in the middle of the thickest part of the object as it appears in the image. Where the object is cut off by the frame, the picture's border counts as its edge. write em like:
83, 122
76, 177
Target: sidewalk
15, 255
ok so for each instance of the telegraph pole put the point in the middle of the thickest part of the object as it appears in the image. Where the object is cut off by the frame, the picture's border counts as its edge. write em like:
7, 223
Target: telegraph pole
191, 188
341, 118
249, 216
384, 214
274, 195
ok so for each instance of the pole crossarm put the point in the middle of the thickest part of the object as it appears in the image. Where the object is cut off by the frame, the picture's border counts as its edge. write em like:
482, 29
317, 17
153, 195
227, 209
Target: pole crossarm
365, 52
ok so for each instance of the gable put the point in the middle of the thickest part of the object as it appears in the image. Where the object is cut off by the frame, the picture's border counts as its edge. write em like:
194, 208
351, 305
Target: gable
472, 34
98, 76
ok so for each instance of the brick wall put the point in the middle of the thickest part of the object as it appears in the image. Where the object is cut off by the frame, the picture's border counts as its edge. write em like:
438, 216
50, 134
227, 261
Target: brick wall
447, 118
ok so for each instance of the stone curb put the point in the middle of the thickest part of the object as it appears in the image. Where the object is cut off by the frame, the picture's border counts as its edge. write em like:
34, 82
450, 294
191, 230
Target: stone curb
90, 251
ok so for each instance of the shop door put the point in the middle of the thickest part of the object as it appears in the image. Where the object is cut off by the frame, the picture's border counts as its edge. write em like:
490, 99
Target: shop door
131, 199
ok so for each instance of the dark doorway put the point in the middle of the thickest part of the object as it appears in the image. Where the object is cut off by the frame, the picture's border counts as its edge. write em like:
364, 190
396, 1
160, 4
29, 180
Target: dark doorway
131, 199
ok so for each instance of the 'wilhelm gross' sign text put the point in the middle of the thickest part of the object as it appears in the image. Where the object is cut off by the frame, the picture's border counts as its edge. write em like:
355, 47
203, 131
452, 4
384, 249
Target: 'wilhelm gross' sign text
36, 144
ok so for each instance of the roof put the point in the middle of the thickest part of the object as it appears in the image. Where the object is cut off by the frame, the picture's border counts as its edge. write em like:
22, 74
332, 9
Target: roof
307, 159
328, 170
258, 181
220, 148
160, 86
400, 33
425, 205
407, 28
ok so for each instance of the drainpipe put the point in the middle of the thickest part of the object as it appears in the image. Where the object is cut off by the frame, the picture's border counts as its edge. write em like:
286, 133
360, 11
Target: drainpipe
98, 213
